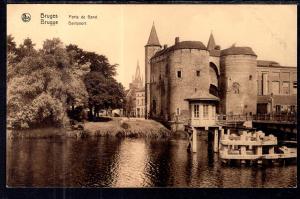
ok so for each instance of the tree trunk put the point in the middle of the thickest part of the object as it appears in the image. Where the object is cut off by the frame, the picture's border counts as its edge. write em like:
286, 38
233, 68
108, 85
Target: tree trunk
90, 116
94, 113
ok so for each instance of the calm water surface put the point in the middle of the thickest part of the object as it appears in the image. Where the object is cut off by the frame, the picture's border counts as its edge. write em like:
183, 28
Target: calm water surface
113, 162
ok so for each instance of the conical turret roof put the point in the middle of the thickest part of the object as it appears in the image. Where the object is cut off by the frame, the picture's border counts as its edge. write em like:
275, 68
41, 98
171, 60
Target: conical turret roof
211, 42
153, 39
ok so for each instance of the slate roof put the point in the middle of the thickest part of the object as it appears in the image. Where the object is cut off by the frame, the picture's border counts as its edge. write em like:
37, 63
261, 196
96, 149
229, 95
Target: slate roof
153, 39
189, 45
234, 50
202, 95
211, 42
264, 63
267, 63
182, 45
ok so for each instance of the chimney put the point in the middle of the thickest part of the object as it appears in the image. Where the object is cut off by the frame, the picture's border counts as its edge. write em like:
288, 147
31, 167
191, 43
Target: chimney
176, 40
165, 46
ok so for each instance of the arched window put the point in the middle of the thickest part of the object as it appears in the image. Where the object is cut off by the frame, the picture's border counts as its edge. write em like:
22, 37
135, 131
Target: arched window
213, 74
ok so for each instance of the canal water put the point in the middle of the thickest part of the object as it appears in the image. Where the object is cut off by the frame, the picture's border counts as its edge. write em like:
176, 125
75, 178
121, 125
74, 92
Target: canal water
115, 162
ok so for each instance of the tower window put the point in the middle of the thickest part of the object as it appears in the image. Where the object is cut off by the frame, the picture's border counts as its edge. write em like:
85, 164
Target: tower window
179, 74
198, 73
250, 77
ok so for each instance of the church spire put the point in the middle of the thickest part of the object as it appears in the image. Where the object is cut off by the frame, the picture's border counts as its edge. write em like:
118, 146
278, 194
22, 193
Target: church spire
211, 42
137, 72
153, 39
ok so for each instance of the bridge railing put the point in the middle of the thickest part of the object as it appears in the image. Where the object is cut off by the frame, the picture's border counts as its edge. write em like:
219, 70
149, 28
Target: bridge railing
286, 117
234, 117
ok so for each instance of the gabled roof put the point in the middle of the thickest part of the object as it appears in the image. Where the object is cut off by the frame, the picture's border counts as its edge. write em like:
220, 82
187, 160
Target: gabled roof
202, 95
153, 39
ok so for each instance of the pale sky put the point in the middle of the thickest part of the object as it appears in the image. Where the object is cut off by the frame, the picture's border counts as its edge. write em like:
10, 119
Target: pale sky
121, 31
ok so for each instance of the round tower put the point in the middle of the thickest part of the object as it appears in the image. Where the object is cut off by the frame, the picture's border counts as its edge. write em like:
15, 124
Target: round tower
238, 80
151, 48
188, 76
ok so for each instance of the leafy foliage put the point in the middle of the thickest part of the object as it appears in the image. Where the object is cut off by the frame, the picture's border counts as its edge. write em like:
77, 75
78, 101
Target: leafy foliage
11, 44
44, 84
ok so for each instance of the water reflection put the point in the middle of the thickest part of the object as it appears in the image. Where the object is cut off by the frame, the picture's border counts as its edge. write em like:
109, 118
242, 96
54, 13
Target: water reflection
113, 162
132, 154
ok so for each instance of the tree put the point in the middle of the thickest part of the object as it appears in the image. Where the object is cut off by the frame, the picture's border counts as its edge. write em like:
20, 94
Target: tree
129, 103
103, 90
25, 49
11, 44
116, 93
43, 85
104, 93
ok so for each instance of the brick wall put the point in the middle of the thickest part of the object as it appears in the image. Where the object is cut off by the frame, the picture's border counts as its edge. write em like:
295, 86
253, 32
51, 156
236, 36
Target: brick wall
188, 61
149, 53
239, 84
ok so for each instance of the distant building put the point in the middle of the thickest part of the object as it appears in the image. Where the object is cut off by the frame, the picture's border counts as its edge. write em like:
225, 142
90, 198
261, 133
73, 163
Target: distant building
276, 88
135, 96
189, 82
140, 102
137, 81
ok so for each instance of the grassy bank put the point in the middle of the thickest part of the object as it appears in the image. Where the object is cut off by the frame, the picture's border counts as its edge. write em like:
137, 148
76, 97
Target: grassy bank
127, 128
118, 127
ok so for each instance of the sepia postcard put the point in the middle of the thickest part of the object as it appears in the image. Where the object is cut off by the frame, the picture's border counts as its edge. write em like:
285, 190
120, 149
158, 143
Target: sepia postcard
144, 96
